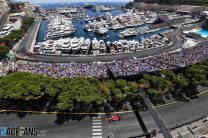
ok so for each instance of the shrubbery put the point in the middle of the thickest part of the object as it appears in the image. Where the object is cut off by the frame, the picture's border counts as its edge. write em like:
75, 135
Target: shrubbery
3, 51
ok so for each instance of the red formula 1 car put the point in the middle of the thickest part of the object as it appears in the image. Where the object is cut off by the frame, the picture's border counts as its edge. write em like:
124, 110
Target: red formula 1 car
111, 118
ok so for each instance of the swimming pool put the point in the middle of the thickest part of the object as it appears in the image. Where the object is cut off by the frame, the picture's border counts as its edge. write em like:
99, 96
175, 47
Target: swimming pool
202, 32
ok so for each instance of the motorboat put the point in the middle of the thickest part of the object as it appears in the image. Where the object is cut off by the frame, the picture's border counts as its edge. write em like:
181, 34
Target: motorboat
106, 36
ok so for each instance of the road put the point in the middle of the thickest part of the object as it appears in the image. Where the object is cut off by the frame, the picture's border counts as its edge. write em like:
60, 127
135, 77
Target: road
177, 43
24, 46
173, 114
26, 42
2, 21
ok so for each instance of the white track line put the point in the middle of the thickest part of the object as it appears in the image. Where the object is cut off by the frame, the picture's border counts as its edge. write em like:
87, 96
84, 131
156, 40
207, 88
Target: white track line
96, 127
97, 137
97, 130
97, 123
96, 120
97, 134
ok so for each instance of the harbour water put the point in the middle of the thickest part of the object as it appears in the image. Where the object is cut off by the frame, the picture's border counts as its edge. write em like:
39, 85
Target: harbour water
80, 32
42, 31
58, 5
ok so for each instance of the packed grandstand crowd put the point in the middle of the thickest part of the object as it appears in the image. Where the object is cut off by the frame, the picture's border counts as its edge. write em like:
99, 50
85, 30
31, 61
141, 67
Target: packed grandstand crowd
130, 67
64, 69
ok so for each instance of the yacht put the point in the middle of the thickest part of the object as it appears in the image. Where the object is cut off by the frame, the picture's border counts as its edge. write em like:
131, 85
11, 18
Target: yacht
138, 47
95, 46
101, 30
119, 46
141, 47
125, 46
85, 46
59, 34
50, 48
106, 36
102, 46
111, 47
65, 45
88, 28
59, 27
76, 43
128, 33
132, 45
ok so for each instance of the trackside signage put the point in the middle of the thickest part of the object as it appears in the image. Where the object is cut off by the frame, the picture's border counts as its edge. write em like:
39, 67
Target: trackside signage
21, 131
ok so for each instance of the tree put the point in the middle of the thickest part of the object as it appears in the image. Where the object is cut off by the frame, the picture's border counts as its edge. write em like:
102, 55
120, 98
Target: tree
81, 91
3, 51
156, 85
178, 81
27, 86
197, 74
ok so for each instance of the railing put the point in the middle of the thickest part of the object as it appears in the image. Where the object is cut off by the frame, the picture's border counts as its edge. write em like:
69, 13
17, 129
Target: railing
156, 116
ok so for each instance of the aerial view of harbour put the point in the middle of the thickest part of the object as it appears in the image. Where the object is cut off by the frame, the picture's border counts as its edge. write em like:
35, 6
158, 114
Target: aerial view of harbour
108, 25
104, 68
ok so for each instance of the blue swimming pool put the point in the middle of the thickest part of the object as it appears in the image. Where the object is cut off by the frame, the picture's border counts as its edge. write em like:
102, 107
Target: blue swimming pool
202, 32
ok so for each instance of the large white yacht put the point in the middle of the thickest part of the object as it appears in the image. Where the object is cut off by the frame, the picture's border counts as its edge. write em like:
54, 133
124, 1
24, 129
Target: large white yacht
111, 47
95, 46
76, 43
102, 47
49, 47
125, 46
128, 33
65, 45
119, 46
59, 27
85, 46
101, 30
132, 45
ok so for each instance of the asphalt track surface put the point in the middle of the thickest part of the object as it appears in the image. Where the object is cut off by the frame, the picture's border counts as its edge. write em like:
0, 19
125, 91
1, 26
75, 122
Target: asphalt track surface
25, 44
174, 114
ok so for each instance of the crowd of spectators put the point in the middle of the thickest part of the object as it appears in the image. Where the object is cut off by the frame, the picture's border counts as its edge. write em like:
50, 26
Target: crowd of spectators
163, 61
59, 70
171, 60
